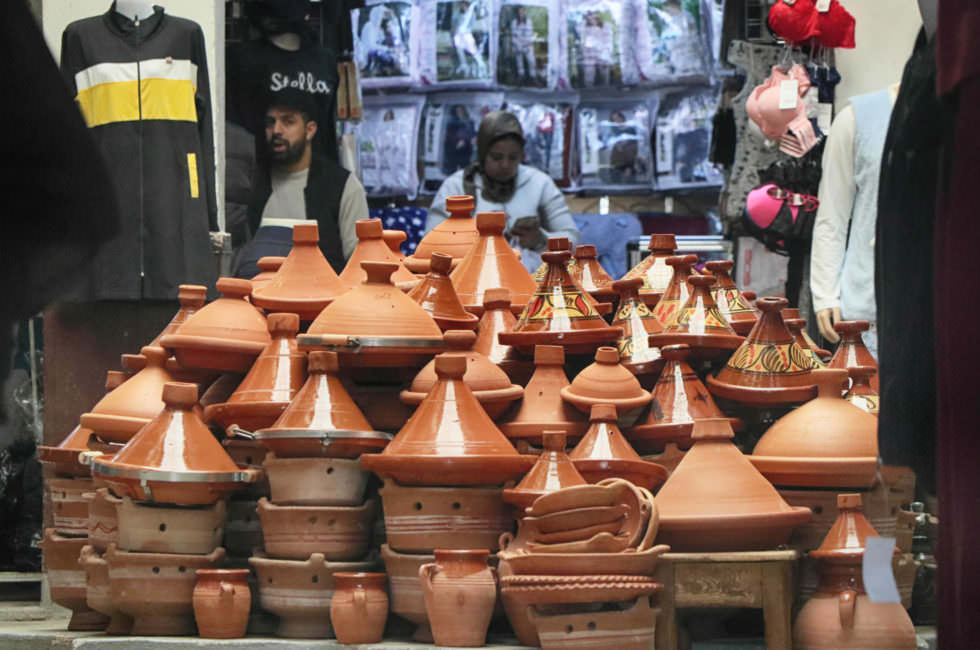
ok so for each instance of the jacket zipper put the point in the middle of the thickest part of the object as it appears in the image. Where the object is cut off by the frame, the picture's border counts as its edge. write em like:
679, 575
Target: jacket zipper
139, 102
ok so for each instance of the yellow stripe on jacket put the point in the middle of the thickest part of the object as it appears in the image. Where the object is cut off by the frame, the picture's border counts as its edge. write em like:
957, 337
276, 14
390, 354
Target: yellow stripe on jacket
158, 89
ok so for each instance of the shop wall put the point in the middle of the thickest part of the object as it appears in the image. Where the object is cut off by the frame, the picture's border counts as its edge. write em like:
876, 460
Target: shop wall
209, 14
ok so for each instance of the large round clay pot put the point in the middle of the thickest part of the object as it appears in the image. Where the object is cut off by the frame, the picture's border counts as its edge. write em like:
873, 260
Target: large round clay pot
97, 593
460, 592
67, 580
359, 608
222, 601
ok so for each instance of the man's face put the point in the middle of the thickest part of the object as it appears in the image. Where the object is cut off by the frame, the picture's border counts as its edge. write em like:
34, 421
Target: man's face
287, 134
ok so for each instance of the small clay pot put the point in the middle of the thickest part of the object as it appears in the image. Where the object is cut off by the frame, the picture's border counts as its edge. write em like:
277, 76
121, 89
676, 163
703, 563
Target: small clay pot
103, 523
294, 532
700, 323
359, 608
732, 304
852, 352
222, 602
316, 481
69, 506
677, 291
66, 578
407, 600
372, 248
170, 529
604, 453
638, 323
460, 591
97, 593
607, 382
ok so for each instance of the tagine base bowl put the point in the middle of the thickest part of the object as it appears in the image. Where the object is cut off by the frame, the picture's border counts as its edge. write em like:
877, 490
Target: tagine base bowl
438, 471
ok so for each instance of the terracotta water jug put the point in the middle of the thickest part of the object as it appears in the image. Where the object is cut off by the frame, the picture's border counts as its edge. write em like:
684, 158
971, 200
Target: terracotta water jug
460, 592
436, 294
222, 602
676, 293
359, 607
454, 236
653, 268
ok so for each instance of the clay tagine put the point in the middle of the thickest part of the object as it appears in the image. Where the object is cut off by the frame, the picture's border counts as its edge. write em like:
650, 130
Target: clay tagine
394, 239
588, 273
191, 298
490, 385
861, 394
827, 442
677, 291
553, 471
795, 326
306, 283
64, 459
604, 453
438, 297
270, 385
454, 236
638, 322
562, 243
769, 368
852, 351
794, 312
226, 335
372, 248
491, 264
700, 324
653, 268
715, 500
497, 317
732, 304
268, 266
542, 408
450, 439
607, 382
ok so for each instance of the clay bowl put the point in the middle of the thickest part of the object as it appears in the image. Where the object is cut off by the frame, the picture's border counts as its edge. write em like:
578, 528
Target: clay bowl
601, 542
66, 579
156, 589
633, 628
103, 523
340, 533
420, 519
571, 535
575, 589
299, 592
97, 592
170, 529
316, 481
243, 529
578, 518
636, 563
69, 507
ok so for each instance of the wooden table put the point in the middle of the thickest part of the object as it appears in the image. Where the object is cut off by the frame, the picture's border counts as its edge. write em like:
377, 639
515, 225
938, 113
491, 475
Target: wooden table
753, 579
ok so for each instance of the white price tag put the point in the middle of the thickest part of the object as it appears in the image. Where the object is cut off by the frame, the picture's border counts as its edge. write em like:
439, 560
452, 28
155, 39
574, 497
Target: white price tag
825, 114
789, 93
823, 6
876, 570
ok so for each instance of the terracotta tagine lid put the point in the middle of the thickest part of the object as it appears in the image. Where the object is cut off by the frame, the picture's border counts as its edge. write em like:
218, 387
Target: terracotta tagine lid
491, 264
677, 291
606, 382
827, 442
793, 312
565, 244
438, 297
542, 408
270, 385
371, 247
852, 351
65, 459
191, 298
454, 236
638, 323
450, 439
553, 471
586, 270
604, 453
268, 266
306, 283
560, 314
731, 303
121, 413
226, 335
861, 394
497, 317
700, 324
795, 326
715, 500
846, 539
678, 399
769, 367
653, 269
173, 459
394, 239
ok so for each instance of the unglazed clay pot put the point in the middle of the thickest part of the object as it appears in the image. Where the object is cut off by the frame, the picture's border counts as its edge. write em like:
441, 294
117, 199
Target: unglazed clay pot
638, 322
633, 628
156, 589
191, 298
97, 593
436, 295
552, 471
699, 323
489, 264
589, 274
407, 600
852, 351
460, 591
497, 317
226, 335
299, 592
607, 382
359, 608
222, 601
449, 440
66, 578
372, 248
268, 266
340, 533
604, 453
316, 481
542, 408
769, 367
103, 524
677, 291
394, 240
715, 500
69, 509
577, 590
306, 283
827, 442
731, 303
454, 236
653, 268
170, 529
795, 327
418, 519
861, 394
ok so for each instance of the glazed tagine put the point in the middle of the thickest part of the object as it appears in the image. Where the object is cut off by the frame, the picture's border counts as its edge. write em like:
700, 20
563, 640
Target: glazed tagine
861, 394
852, 351
677, 291
731, 303
372, 248
605, 453
191, 298
436, 295
607, 382
795, 326
454, 236
653, 269
699, 323
552, 471
793, 312
497, 317
589, 274
638, 322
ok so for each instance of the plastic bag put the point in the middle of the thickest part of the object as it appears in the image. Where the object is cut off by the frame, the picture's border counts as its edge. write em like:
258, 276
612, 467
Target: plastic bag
457, 43
668, 42
385, 45
596, 42
614, 143
528, 52
387, 142
548, 133
683, 140
21, 499
449, 133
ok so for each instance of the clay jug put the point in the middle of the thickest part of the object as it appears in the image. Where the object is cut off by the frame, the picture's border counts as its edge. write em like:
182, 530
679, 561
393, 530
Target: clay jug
438, 297
498, 317
589, 274
553, 471
638, 322
852, 351
732, 304
676, 293
268, 266
191, 298
359, 607
222, 602
861, 394
454, 236
607, 382
653, 268
604, 453
699, 323
394, 240
795, 326
460, 592
371, 247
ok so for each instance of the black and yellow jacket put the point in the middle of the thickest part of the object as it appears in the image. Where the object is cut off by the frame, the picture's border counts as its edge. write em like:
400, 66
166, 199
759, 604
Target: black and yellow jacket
143, 89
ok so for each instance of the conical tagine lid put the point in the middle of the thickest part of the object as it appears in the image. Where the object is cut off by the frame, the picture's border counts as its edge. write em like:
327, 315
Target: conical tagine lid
861, 394
653, 268
268, 267
795, 327
490, 264
715, 500
604, 453
852, 351
606, 382
371, 247
589, 274
497, 317
191, 298
846, 539
700, 324
438, 297
733, 306
638, 322
305, 283
677, 290
454, 236
552, 471
793, 312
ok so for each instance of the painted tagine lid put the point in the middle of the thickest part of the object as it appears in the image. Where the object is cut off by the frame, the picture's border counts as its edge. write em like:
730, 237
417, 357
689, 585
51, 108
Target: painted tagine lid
638, 322
715, 500
700, 324
606, 382
191, 298
371, 247
497, 317
174, 459
449, 440
268, 267
732, 304
322, 419
490, 385
653, 269
794, 312
553, 471
563, 243
226, 335
543, 408
454, 236
588, 273
677, 291
852, 351
270, 385
437, 296
827, 442
795, 326
394, 239
678, 399
305, 283
861, 394
769, 368
604, 453
490, 263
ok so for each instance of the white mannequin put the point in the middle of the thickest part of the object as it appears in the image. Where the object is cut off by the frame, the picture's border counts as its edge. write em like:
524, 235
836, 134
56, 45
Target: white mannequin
134, 9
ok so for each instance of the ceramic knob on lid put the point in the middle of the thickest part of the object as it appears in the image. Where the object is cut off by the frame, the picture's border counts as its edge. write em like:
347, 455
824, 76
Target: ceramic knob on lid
450, 367
180, 396
269, 264
114, 378
496, 299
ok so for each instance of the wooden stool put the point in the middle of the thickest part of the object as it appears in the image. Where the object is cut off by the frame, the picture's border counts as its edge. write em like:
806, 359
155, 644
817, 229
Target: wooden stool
753, 579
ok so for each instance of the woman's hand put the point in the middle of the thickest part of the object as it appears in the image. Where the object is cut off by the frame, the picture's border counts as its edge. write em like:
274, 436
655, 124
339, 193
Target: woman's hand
527, 230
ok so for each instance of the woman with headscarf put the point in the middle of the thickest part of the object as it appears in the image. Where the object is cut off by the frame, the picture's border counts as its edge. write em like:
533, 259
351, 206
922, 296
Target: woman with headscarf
499, 182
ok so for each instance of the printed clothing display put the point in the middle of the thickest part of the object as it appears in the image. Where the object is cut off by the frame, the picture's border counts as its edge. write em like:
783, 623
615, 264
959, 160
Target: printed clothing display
143, 91
385, 48
456, 43
668, 42
407, 218
595, 42
449, 133
387, 140
614, 143
683, 140
528, 53
547, 134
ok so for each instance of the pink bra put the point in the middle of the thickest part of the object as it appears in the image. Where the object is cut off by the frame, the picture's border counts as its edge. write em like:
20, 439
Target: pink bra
763, 102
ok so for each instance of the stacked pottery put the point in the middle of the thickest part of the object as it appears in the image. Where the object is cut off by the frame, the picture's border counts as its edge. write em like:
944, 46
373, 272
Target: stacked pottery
653, 269
731, 302
454, 236
676, 293
557, 245
460, 592
699, 323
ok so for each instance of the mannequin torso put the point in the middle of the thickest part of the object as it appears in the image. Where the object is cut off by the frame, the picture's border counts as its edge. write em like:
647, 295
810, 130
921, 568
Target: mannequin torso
134, 9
